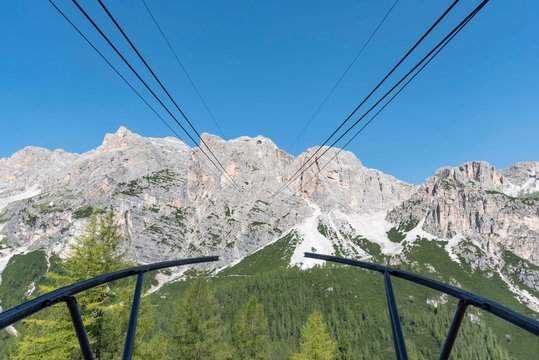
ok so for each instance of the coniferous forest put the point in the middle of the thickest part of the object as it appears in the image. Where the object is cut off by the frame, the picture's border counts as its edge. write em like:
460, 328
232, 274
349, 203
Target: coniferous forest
330, 312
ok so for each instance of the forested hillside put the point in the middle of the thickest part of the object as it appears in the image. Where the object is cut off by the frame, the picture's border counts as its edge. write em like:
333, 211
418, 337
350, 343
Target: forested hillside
259, 308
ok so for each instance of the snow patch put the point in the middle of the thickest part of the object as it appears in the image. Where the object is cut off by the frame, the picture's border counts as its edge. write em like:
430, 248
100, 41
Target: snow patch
310, 241
418, 231
442, 299
374, 227
12, 331
522, 295
530, 186
163, 279
350, 247
27, 193
451, 245
474, 318
31, 289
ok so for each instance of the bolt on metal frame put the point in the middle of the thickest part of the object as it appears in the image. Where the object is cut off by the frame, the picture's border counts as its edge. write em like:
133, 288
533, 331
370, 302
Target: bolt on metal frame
465, 299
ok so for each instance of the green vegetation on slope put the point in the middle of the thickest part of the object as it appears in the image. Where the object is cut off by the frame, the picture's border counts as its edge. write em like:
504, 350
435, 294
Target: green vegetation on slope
289, 295
21, 271
351, 302
399, 233
49, 334
530, 199
275, 255
164, 179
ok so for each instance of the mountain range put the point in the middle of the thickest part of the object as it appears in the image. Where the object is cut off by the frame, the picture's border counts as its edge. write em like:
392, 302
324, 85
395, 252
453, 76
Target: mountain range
171, 204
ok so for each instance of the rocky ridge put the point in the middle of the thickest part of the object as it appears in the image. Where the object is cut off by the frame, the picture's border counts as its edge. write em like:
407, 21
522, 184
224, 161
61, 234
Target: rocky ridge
170, 204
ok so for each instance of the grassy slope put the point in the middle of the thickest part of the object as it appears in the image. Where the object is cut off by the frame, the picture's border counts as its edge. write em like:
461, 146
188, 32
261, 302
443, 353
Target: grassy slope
349, 295
275, 255
488, 285
352, 300
20, 272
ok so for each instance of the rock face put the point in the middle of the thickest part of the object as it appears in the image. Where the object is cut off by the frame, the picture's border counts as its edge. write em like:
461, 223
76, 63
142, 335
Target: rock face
170, 203
472, 201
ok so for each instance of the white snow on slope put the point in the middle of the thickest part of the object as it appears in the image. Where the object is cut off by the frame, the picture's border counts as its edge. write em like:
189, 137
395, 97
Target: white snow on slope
374, 227
310, 241
451, 245
523, 295
27, 193
163, 279
412, 235
334, 218
529, 187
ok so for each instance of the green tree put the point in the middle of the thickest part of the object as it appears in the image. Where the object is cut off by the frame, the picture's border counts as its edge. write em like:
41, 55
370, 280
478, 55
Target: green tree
198, 332
50, 334
344, 347
150, 343
250, 332
316, 342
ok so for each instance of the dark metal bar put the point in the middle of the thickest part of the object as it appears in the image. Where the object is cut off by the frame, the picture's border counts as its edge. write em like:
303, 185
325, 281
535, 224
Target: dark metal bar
30, 307
132, 327
453, 330
398, 337
85, 348
501, 311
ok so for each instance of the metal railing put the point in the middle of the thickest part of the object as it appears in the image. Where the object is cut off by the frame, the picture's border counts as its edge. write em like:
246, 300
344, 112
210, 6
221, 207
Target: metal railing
67, 294
465, 299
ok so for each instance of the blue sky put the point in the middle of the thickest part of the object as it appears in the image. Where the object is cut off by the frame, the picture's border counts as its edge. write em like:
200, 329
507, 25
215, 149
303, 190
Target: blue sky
263, 67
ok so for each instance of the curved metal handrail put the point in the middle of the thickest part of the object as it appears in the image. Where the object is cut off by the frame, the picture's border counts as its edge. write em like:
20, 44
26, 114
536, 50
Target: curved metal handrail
466, 298
66, 294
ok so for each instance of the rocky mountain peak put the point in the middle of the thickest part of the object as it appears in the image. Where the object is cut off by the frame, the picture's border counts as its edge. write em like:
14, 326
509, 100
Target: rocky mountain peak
123, 132
480, 173
476, 201
121, 138
171, 205
524, 176
211, 138
258, 140
242, 144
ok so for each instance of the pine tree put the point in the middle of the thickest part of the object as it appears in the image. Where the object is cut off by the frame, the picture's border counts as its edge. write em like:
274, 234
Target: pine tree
198, 332
316, 341
344, 347
50, 334
250, 332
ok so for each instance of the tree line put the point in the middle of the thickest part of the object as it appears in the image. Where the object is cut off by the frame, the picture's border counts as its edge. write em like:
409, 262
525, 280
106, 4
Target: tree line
281, 314
198, 332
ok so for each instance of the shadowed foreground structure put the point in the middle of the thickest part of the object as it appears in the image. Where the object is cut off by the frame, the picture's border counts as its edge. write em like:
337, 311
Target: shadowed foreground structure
67, 295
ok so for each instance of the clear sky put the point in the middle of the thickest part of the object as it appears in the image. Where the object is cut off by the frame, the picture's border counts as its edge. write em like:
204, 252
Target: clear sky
263, 67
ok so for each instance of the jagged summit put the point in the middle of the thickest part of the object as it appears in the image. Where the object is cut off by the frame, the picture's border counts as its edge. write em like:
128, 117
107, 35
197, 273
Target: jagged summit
524, 176
132, 174
476, 171
211, 138
121, 138
259, 139
123, 132
171, 204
